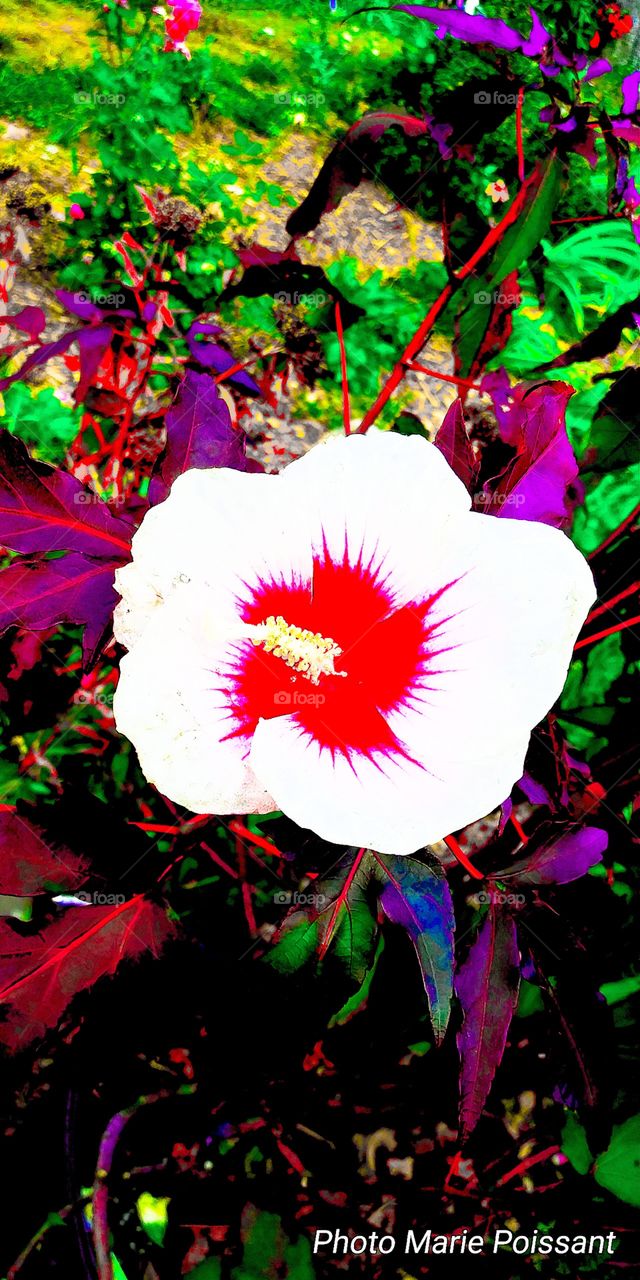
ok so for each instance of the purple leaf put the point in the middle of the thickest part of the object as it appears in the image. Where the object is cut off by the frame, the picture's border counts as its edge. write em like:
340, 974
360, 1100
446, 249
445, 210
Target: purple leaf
627, 130
42, 593
597, 68
212, 356
487, 988
46, 352
45, 509
92, 344
536, 484
417, 897
81, 305
630, 91
561, 861
30, 320
476, 29
454, 444
199, 434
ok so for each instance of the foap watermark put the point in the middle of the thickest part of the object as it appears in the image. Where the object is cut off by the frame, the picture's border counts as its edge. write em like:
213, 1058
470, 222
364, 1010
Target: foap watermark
98, 299
283, 698
87, 498
96, 99
299, 99
484, 299
500, 499
97, 897
286, 898
504, 899
483, 98
89, 698
316, 299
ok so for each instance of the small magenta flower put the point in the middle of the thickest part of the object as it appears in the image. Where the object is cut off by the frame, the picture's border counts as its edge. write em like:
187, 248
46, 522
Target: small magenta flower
345, 641
76, 212
498, 191
184, 18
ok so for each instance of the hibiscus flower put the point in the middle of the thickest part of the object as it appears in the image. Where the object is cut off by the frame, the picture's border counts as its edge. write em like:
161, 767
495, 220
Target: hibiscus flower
345, 641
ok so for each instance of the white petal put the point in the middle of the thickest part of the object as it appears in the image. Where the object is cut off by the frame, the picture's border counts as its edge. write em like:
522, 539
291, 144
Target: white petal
218, 528
395, 807
508, 627
169, 705
388, 496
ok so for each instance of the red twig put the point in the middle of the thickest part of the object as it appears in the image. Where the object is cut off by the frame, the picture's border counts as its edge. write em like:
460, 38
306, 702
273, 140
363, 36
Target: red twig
519, 142
238, 828
600, 635
492, 238
616, 533
517, 825
460, 855
346, 410
220, 861
609, 604
527, 1164
445, 377
415, 346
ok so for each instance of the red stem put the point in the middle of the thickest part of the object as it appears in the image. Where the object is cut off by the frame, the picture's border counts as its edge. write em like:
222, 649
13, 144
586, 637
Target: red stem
238, 828
616, 533
460, 855
519, 142
415, 346
609, 604
610, 631
445, 377
528, 1164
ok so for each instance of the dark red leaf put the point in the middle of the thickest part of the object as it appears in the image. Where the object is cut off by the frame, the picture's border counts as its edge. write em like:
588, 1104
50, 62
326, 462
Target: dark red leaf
454, 444
538, 483
199, 434
560, 861
40, 975
487, 987
214, 356
46, 509
31, 863
30, 320
346, 165
43, 593
40, 356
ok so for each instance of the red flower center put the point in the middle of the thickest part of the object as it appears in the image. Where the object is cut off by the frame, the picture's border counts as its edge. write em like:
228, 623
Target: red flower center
385, 663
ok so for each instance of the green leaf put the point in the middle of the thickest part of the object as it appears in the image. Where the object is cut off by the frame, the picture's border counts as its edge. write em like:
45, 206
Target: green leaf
210, 1269
475, 300
575, 1146
529, 1000
615, 992
336, 912
618, 1170
268, 1252
359, 999
152, 1212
